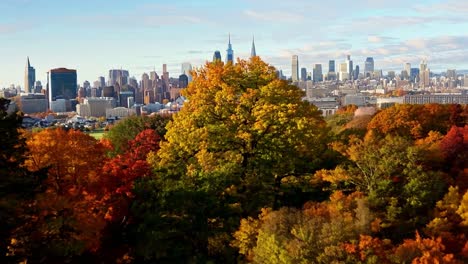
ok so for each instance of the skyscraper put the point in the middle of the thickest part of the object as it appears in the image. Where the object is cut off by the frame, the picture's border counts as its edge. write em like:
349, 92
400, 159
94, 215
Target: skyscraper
369, 67
63, 84
217, 56
408, 69
331, 66
118, 76
183, 81
349, 66
451, 74
229, 52
186, 69
317, 72
356, 73
253, 53
29, 78
424, 74
303, 74
102, 81
295, 68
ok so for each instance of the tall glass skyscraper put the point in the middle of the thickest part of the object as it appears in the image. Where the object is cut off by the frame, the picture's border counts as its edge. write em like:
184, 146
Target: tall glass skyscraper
317, 73
331, 66
229, 52
29, 78
217, 56
303, 74
349, 64
63, 84
369, 67
295, 68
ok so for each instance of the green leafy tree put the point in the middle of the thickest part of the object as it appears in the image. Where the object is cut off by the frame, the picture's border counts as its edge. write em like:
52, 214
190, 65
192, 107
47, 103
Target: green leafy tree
240, 135
127, 129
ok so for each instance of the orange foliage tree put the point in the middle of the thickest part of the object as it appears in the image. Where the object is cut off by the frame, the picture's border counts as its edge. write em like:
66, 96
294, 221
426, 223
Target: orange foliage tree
69, 217
415, 120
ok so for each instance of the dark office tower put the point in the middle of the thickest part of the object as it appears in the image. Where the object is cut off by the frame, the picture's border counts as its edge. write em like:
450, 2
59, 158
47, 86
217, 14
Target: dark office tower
132, 81
217, 56
414, 74
253, 53
102, 81
63, 84
123, 98
317, 73
29, 78
356, 73
331, 66
369, 67
183, 81
108, 91
118, 76
229, 52
303, 74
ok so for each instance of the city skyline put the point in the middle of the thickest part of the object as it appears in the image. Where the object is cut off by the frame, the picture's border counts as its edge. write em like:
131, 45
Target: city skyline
139, 36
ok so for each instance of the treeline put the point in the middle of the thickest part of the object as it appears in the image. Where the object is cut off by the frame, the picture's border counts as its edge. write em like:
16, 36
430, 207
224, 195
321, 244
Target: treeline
246, 172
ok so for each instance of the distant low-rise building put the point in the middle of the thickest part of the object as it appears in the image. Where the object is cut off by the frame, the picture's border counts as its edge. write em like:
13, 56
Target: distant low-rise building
33, 103
461, 98
385, 102
120, 112
328, 105
95, 107
59, 105
354, 99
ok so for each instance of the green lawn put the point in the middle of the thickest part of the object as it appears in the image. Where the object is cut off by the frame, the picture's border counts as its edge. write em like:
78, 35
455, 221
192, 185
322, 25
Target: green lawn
97, 134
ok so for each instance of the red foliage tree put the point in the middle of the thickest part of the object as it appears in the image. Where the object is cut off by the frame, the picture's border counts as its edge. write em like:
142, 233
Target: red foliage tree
120, 172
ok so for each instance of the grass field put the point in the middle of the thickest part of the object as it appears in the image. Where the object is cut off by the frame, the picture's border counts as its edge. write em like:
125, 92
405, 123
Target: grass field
97, 134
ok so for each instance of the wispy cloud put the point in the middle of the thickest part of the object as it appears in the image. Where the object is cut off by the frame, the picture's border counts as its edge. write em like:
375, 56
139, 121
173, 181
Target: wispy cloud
379, 39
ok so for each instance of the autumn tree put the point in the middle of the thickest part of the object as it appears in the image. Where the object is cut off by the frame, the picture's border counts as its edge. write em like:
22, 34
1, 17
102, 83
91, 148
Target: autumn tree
69, 217
127, 129
240, 126
289, 235
415, 121
424, 250
121, 171
392, 171
454, 148
240, 134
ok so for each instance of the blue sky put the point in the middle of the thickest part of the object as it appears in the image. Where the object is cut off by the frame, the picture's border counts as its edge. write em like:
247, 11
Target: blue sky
139, 35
